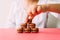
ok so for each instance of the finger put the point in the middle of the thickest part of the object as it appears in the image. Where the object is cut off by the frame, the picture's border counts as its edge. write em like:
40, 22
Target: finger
34, 11
27, 19
30, 14
39, 9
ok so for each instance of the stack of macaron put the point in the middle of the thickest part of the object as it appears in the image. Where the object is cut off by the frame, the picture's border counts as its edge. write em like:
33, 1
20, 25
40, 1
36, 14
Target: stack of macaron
28, 27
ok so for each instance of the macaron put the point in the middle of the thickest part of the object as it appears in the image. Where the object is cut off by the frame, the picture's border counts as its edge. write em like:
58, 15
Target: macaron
24, 25
20, 30
32, 25
27, 30
35, 30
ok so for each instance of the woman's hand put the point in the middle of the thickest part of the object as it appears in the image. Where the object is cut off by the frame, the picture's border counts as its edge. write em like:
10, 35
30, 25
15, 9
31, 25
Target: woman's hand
35, 10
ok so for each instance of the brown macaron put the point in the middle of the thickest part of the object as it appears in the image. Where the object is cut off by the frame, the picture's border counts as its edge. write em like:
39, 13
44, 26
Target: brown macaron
27, 30
20, 30
32, 25
35, 30
24, 25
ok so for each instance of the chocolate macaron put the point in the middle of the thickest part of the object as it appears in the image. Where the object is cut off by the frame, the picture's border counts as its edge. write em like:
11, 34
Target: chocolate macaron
20, 30
32, 25
24, 25
27, 30
34, 30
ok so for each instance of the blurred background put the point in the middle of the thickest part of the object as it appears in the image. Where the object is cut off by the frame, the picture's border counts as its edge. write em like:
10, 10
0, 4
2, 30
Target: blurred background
4, 11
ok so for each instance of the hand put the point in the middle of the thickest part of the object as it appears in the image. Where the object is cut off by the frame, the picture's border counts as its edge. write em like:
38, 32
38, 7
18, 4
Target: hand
35, 10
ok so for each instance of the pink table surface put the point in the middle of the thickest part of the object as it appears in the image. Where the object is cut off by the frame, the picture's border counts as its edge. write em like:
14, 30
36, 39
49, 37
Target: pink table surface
44, 34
